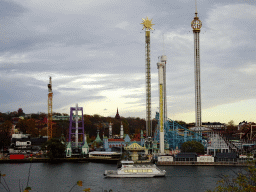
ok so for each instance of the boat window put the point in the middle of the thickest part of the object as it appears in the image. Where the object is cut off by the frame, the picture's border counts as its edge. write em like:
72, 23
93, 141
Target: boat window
145, 170
134, 170
150, 170
126, 171
140, 170
130, 170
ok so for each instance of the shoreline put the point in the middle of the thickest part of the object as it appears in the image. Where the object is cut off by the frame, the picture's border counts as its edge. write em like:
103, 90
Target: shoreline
58, 160
114, 161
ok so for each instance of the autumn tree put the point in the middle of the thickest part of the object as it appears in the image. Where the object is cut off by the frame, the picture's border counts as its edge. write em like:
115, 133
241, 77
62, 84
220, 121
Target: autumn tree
31, 128
5, 134
60, 127
22, 125
20, 112
28, 126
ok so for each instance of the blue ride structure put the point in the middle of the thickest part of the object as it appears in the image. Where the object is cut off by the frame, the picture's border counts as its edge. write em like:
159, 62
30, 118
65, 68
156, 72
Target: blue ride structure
175, 134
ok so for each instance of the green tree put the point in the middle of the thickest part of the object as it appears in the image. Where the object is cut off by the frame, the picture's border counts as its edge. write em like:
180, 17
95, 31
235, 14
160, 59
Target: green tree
192, 146
54, 148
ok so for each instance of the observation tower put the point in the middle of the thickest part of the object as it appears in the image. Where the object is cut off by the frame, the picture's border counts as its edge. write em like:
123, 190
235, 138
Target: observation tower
147, 25
196, 25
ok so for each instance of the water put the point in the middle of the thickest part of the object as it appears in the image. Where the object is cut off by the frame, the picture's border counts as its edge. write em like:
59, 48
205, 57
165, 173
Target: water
46, 177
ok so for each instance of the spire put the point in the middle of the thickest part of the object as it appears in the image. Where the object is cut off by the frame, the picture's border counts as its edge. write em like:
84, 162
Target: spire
196, 24
117, 115
196, 6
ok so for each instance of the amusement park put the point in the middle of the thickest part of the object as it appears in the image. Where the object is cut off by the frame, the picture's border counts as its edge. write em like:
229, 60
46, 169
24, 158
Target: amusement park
160, 139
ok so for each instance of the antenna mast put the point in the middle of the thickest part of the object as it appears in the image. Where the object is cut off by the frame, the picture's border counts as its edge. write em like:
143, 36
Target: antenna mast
196, 5
163, 45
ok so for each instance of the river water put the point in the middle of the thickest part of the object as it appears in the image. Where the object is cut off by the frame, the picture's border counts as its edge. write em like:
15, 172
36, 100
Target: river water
46, 177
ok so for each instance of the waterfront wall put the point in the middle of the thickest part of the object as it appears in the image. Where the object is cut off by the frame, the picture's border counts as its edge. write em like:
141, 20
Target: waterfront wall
195, 163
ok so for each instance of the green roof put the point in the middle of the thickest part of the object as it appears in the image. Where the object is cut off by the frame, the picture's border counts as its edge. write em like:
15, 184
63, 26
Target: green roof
98, 140
69, 145
85, 145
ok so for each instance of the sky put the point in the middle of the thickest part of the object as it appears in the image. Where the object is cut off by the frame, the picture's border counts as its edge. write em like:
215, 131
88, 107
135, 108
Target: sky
94, 50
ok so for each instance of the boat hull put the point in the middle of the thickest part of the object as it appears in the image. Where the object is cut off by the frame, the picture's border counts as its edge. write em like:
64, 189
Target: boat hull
115, 174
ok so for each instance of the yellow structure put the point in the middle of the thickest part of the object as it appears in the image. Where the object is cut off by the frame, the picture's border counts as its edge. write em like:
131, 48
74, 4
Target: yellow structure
134, 148
161, 108
161, 66
147, 25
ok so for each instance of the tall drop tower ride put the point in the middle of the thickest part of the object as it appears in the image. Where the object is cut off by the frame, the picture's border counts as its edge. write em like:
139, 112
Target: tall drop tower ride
196, 25
147, 25
49, 121
161, 66
164, 59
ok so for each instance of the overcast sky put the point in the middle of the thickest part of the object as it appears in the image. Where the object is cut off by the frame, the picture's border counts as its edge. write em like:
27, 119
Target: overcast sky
95, 52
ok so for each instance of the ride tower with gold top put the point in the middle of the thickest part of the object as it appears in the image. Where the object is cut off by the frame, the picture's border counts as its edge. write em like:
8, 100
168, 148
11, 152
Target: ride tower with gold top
196, 25
147, 25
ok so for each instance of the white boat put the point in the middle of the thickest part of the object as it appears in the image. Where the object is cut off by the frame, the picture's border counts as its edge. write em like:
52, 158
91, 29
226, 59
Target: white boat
129, 169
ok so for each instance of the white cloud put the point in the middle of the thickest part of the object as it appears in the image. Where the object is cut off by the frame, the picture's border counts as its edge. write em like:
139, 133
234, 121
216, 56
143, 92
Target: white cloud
249, 69
123, 25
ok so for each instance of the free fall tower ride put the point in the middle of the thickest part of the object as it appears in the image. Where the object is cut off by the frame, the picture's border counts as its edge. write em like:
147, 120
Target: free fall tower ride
196, 25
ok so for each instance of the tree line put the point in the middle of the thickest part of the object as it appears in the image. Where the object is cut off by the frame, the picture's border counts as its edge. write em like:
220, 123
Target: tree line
36, 126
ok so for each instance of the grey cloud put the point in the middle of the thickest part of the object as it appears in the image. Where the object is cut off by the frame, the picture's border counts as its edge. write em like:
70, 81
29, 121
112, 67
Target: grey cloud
10, 9
96, 41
